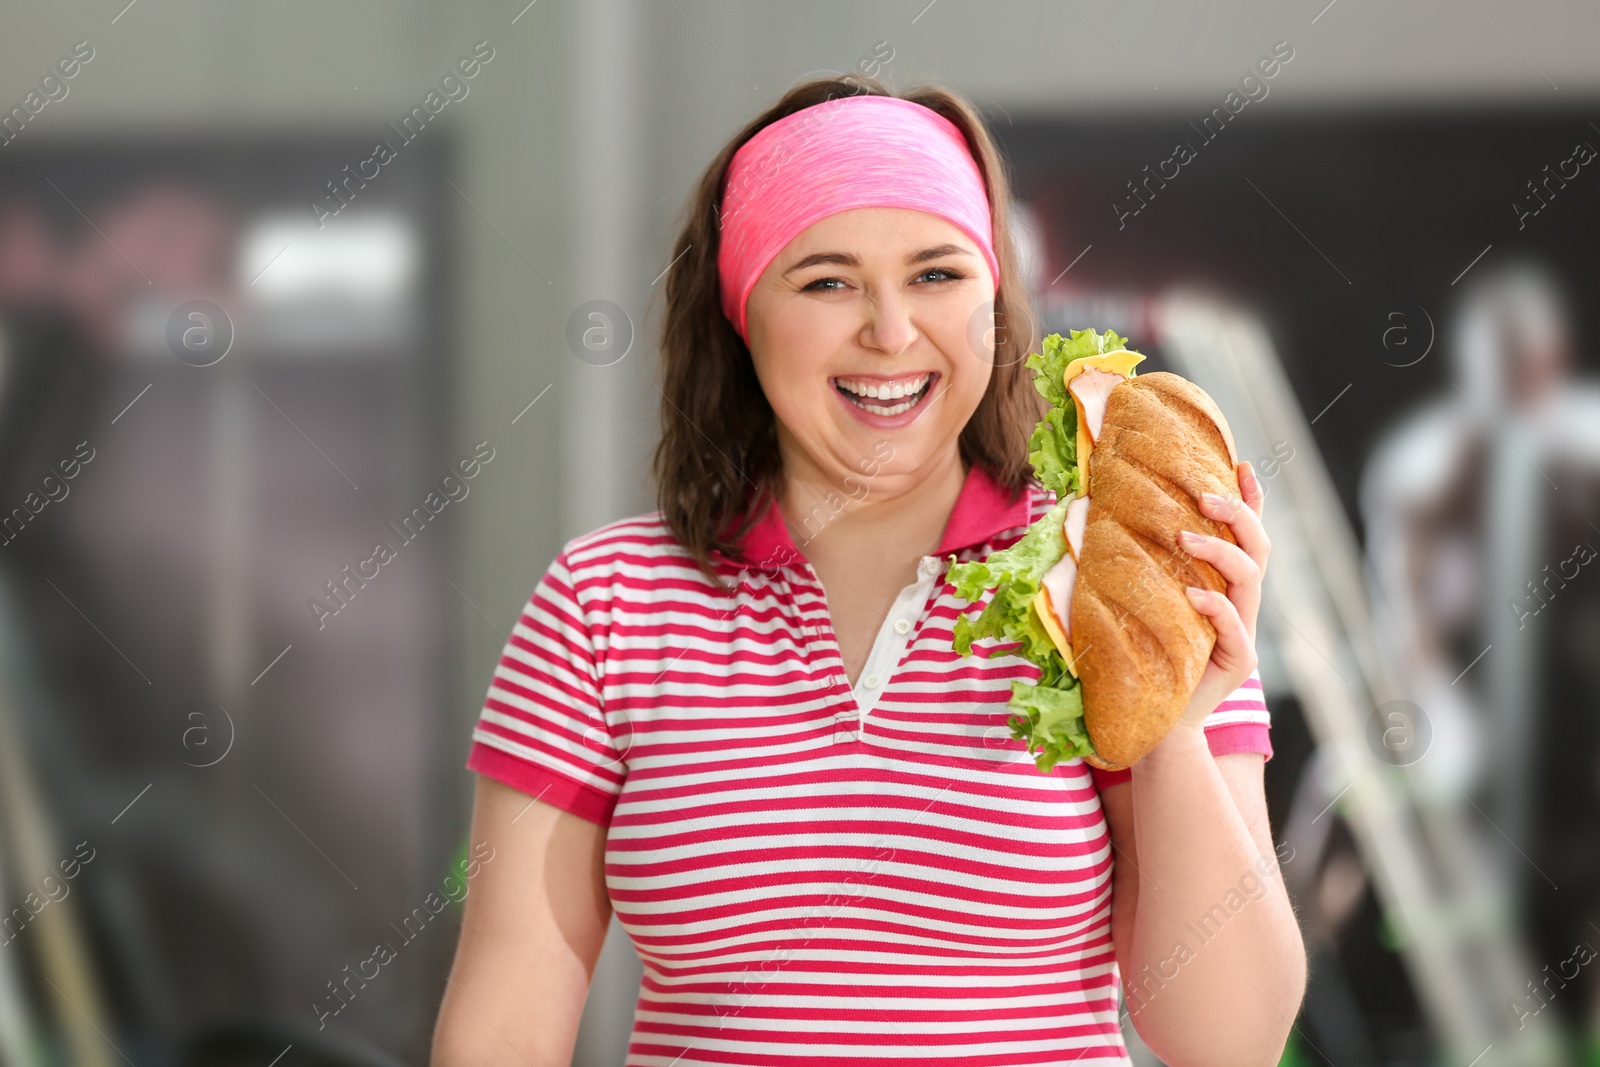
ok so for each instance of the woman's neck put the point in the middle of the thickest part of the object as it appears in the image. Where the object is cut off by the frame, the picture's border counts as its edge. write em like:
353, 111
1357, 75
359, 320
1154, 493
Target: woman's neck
872, 521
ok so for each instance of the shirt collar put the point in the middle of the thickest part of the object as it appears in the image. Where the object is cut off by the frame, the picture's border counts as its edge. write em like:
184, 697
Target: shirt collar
982, 510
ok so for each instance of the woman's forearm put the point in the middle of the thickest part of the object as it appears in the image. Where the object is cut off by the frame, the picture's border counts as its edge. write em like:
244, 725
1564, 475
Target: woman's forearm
1218, 963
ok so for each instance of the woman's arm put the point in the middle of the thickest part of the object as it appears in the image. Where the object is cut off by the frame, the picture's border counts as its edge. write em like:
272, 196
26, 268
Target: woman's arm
532, 928
1213, 963
1199, 914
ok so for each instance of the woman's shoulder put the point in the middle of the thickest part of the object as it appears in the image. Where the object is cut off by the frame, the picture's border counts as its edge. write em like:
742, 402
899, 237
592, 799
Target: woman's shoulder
637, 549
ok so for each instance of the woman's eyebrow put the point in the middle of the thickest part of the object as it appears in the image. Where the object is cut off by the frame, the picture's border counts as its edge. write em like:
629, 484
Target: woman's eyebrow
936, 252
845, 259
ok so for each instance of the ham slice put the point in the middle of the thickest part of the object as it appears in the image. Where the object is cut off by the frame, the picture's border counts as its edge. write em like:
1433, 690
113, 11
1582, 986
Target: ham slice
1091, 387
1057, 586
1077, 520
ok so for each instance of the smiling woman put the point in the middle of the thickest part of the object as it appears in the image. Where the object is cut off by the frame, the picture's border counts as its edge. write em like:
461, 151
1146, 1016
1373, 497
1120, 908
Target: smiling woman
768, 762
788, 178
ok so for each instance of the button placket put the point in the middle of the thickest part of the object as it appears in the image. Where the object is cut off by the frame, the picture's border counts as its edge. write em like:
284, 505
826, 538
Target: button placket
889, 648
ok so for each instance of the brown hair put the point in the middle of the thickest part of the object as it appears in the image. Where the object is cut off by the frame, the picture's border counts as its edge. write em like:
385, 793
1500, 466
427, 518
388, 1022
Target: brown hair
717, 462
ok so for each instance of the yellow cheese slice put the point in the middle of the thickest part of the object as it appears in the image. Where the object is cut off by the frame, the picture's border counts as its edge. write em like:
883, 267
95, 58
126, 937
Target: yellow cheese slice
1047, 618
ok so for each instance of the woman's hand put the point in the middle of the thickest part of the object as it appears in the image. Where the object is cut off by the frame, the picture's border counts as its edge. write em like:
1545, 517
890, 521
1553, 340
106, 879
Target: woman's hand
1232, 614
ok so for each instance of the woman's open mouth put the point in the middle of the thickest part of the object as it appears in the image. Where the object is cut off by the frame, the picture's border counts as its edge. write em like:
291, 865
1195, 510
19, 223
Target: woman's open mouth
884, 397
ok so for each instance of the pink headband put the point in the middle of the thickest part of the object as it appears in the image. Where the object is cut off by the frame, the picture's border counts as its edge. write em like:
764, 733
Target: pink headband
849, 152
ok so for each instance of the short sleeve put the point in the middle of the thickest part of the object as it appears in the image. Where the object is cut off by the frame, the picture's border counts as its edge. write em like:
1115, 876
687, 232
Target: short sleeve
1241, 723
542, 729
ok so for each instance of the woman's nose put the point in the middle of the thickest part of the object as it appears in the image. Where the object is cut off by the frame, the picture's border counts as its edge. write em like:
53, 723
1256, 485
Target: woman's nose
888, 328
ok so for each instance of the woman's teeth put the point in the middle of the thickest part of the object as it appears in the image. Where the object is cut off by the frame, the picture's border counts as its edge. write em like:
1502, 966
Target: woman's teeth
884, 398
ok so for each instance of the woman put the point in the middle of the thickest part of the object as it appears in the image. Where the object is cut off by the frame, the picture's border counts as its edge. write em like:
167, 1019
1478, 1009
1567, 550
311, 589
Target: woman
739, 723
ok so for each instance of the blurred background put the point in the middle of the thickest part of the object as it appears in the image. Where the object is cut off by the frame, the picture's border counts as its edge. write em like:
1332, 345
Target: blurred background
323, 326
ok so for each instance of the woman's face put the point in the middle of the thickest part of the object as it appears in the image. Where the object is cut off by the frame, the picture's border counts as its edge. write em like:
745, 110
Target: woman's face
861, 331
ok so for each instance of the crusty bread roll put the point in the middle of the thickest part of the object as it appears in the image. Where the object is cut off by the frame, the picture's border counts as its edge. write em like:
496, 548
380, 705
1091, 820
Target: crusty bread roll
1139, 645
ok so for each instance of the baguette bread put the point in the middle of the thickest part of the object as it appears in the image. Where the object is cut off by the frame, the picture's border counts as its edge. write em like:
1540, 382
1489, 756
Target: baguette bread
1139, 645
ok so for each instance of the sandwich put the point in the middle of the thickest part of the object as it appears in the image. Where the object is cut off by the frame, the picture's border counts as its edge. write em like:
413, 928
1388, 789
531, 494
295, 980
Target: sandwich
1093, 593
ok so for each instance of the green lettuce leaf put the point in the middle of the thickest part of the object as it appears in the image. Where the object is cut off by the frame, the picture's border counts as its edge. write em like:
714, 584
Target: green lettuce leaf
1052, 720
1013, 573
1049, 713
1053, 451
1055, 352
1053, 448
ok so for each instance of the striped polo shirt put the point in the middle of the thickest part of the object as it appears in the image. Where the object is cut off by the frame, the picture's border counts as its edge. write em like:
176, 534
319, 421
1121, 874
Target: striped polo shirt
812, 871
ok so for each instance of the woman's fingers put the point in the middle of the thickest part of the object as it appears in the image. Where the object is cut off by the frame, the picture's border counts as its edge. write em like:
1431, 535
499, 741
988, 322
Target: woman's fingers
1250, 486
1242, 573
1242, 516
1233, 657
1235, 650
1242, 565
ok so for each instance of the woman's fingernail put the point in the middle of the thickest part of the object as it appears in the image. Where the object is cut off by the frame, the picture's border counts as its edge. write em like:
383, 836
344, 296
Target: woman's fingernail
1249, 482
1213, 499
1192, 538
1195, 593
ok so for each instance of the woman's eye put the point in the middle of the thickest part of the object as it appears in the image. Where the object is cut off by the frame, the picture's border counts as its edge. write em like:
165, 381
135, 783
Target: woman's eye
823, 285
833, 285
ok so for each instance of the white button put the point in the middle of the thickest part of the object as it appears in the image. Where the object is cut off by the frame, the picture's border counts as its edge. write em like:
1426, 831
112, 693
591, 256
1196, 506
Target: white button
902, 626
872, 681
930, 564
